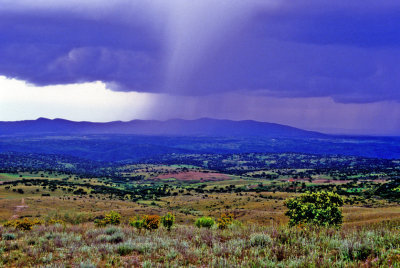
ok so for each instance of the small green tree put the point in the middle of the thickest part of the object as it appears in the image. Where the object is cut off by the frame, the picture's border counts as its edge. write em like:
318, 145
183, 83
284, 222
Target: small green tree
168, 221
320, 208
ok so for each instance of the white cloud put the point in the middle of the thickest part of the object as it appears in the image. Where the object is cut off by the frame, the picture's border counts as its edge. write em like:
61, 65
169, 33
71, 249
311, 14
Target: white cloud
87, 101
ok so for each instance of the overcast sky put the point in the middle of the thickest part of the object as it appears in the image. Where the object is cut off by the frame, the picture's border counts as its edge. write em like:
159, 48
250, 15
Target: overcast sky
331, 66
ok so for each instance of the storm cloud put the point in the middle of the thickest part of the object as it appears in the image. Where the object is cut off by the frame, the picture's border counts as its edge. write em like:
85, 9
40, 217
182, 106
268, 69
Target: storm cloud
346, 50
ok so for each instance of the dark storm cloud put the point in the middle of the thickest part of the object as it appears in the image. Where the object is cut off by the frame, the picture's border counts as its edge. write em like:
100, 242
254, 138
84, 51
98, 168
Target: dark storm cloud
59, 48
347, 50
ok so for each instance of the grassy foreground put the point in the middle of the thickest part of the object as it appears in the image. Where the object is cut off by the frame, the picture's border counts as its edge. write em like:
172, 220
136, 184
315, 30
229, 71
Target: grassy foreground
85, 245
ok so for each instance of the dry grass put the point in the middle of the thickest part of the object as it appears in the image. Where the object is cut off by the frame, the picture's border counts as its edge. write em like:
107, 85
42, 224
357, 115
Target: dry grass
248, 207
187, 246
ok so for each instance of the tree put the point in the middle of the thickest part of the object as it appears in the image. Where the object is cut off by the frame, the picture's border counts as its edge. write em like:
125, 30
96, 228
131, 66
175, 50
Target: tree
319, 208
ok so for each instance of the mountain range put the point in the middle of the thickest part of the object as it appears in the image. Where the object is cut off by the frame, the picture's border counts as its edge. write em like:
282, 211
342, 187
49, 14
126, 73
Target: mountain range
174, 127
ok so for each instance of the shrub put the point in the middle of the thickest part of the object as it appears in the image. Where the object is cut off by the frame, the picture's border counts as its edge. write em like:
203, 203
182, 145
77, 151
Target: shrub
151, 222
137, 222
125, 248
236, 225
116, 238
206, 222
225, 220
260, 239
55, 221
87, 265
352, 250
111, 230
9, 223
112, 217
320, 208
102, 238
100, 222
168, 220
23, 224
364, 252
77, 218
8, 236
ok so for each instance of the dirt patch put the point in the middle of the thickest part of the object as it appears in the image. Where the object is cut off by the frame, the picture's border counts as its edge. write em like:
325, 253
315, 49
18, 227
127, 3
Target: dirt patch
193, 176
19, 209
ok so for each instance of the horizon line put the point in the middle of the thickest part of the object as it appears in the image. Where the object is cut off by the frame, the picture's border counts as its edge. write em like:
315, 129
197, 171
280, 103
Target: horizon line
346, 133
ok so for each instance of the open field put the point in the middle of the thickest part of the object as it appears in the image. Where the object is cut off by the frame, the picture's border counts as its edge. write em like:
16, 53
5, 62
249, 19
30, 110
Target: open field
247, 208
188, 246
252, 187
187, 201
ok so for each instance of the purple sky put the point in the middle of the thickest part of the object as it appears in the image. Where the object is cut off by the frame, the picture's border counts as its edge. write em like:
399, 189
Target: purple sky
316, 64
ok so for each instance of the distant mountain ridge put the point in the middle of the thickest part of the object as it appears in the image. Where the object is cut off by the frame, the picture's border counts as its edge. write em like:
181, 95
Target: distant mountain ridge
173, 127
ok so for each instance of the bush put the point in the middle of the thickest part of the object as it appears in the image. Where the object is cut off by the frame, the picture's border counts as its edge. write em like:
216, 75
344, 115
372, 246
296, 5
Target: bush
116, 238
364, 252
137, 222
23, 224
225, 220
111, 230
100, 223
112, 217
151, 222
168, 221
236, 225
9, 223
77, 218
260, 239
320, 208
8, 236
102, 238
55, 221
125, 248
87, 265
206, 222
